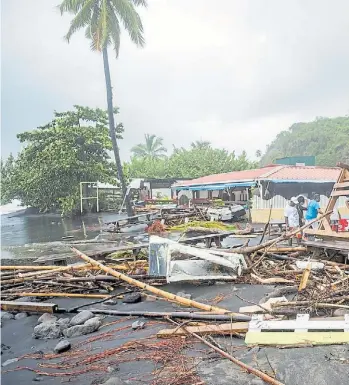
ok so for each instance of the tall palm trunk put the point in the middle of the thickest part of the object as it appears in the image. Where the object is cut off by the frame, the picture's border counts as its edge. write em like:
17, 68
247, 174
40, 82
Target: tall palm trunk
112, 132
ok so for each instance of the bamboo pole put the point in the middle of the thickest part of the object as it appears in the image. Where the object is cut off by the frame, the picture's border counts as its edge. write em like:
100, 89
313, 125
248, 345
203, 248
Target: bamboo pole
265, 377
152, 289
72, 295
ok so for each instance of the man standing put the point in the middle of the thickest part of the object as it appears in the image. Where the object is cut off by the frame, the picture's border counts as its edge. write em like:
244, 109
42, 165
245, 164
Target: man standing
301, 208
292, 217
313, 211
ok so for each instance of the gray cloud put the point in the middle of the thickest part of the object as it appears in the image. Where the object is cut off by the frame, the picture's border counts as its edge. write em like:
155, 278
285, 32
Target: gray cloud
225, 73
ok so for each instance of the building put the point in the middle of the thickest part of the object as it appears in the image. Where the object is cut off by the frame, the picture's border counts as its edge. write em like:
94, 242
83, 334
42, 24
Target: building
267, 188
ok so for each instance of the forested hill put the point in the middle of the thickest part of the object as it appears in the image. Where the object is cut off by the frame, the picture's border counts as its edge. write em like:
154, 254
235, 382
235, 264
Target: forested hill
326, 138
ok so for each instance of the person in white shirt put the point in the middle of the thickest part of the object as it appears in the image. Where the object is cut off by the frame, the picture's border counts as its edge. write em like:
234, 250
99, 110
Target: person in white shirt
292, 217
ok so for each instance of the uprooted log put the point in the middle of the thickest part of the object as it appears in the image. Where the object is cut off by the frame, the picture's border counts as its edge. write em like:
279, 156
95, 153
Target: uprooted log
152, 289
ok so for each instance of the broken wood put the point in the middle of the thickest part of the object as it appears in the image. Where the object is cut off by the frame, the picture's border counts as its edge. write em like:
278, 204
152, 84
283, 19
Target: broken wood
76, 295
35, 307
305, 277
228, 328
249, 369
152, 289
268, 281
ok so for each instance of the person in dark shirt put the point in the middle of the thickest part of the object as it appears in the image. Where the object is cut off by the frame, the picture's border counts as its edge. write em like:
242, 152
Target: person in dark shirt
301, 208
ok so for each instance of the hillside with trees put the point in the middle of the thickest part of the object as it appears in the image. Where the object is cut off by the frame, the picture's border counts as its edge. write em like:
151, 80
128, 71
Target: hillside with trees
325, 138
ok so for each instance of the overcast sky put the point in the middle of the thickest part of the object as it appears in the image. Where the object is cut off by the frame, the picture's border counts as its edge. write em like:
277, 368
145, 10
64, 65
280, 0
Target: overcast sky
233, 72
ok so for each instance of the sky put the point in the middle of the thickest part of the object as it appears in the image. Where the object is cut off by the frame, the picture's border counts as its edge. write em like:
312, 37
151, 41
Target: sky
232, 72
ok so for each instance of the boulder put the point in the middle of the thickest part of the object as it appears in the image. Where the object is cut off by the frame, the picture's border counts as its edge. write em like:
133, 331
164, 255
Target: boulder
47, 330
132, 298
21, 315
138, 325
62, 346
63, 323
88, 327
6, 315
47, 317
81, 318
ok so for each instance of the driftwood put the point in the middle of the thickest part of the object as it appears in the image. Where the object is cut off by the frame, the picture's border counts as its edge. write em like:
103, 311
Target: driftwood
152, 289
73, 295
249, 369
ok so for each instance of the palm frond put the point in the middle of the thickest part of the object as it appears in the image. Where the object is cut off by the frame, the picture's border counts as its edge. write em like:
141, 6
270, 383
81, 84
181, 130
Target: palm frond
81, 19
130, 19
114, 29
142, 3
71, 6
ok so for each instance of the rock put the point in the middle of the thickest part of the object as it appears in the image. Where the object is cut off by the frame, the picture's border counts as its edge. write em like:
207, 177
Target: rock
26, 299
113, 381
103, 291
111, 302
47, 330
132, 298
8, 362
340, 312
47, 317
62, 346
6, 315
5, 347
88, 327
21, 315
112, 369
81, 318
184, 295
37, 378
63, 322
138, 325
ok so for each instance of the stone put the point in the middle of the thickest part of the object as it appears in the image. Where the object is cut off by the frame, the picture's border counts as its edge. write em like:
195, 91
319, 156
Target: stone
10, 361
26, 299
47, 317
138, 325
21, 315
62, 346
184, 295
47, 330
340, 312
63, 323
132, 298
111, 302
6, 315
112, 369
5, 347
81, 318
114, 381
88, 327
37, 378
103, 291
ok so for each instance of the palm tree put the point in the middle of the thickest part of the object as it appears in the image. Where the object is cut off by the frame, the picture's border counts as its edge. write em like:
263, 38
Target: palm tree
101, 20
258, 154
200, 144
152, 148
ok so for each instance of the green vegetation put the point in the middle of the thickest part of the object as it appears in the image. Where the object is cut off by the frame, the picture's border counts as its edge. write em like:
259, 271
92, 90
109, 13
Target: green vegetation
151, 149
101, 20
199, 160
326, 138
207, 225
57, 157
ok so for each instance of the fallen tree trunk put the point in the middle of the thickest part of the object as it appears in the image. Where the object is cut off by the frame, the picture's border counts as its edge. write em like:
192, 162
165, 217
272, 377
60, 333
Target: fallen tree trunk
152, 289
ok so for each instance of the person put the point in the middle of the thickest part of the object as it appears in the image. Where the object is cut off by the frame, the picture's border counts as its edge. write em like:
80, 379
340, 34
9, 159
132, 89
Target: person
292, 217
313, 211
301, 208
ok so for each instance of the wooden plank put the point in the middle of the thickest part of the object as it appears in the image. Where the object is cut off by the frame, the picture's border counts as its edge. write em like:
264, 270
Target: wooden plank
297, 338
228, 328
325, 233
340, 193
36, 307
296, 325
341, 184
332, 244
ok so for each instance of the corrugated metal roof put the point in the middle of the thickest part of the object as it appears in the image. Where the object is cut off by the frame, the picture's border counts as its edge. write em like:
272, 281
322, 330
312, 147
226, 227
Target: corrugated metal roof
245, 175
270, 172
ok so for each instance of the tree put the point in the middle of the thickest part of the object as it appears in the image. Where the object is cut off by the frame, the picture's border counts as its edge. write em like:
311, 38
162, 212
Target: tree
102, 18
200, 144
73, 148
6, 168
258, 153
325, 138
197, 161
152, 148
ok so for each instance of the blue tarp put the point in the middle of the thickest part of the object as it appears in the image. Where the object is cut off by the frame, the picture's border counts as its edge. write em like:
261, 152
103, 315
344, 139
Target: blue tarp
210, 187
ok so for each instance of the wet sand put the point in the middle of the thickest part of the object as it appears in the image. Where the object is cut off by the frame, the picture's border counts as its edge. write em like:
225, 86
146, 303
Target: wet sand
301, 366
